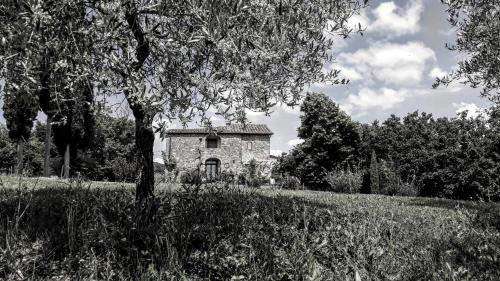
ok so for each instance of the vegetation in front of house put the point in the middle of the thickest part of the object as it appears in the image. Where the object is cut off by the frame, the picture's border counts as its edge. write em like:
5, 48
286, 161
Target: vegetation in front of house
69, 230
415, 155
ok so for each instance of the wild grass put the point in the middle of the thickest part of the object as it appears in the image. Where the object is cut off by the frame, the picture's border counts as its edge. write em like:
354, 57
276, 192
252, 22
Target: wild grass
83, 231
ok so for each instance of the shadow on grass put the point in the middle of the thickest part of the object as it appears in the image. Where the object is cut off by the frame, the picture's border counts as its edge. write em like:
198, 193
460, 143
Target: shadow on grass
216, 235
71, 222
488, 213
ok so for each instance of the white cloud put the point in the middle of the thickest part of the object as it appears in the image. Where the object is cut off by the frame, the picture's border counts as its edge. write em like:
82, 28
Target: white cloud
251, 113
347, 108
276, 152
358, 20
384, 98
366, 98
437, 72
294, 142
390, 63
393, 20
472, 109
254, 116
349, 73
294, 110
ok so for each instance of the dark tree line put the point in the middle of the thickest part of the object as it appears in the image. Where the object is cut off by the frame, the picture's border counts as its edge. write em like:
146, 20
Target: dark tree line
446, 157
108, 153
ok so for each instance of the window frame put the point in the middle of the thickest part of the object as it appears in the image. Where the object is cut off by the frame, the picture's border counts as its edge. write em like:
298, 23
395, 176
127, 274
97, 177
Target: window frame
212, 140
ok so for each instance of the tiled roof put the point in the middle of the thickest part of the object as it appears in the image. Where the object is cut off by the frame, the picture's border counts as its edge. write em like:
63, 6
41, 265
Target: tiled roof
236, 129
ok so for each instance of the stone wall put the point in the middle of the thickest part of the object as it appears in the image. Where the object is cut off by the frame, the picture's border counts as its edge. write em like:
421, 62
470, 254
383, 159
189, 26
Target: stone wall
189, 150
260, 149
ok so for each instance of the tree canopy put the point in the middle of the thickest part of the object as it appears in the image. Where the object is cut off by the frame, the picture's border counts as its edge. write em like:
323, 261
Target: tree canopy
173, 59
331, 140
477, 25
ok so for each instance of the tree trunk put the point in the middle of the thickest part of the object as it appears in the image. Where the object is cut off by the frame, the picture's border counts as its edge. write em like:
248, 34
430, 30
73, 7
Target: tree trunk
48, 141
66, 162
144, 141
20, 154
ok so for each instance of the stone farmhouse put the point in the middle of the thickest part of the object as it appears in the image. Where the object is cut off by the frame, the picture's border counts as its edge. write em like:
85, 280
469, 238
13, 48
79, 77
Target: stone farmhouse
220, 149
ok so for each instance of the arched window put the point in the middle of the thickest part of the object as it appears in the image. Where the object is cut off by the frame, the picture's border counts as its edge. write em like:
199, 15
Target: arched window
212, 142
212, 166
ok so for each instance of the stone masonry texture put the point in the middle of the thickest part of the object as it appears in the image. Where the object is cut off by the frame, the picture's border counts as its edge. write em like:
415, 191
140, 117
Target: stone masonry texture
234, 150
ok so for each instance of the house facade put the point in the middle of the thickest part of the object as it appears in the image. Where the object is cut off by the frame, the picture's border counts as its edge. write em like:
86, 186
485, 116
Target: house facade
220, 149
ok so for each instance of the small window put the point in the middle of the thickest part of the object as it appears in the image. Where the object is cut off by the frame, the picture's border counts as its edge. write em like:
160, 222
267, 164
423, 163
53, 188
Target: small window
212, 142
212, 167
249, 145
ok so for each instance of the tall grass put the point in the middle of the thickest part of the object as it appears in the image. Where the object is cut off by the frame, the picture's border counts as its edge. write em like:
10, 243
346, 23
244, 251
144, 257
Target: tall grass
344, 181
73, 232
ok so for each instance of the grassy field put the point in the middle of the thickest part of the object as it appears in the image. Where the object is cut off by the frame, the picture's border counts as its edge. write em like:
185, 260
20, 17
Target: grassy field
59, 230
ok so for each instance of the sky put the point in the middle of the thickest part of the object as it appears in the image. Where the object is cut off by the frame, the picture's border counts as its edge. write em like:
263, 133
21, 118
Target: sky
391, 69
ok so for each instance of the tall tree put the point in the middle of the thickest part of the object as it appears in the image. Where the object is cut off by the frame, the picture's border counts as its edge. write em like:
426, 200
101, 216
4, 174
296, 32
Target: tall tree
374, 174
331, 139
73, 126
19, 110
177, 59
51, 57
7, 150
477, 25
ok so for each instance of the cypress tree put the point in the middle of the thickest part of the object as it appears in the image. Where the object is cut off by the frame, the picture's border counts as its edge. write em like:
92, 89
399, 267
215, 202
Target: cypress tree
374, 174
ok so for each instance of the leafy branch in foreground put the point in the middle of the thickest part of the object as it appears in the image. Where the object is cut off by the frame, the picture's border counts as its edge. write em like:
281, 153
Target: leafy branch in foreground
180, 59
477, 25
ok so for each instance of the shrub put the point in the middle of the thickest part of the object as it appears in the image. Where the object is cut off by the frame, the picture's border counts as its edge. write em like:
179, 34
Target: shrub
382, 178
123, 169
255, 182
391, 183
191, 177
226, 177
344, 181
253, 174
291, 182
366, 183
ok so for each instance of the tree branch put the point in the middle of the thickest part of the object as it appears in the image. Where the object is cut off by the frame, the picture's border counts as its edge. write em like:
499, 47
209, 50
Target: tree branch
143, 49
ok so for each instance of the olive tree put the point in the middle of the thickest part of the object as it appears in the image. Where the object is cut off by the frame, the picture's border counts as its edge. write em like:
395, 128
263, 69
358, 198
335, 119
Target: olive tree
182, 59
477, 25
175, 59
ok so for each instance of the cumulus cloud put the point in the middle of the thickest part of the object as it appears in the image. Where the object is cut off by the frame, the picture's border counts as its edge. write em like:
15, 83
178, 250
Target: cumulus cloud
472, 109
346, 107
358, 20
294, 142
393, 20
349, 73
294, 110
390, 63
367, 98
383, 98
437, 72
276, 152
